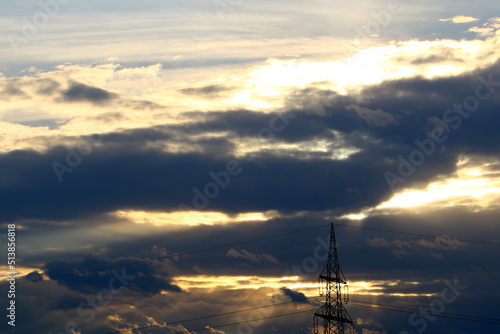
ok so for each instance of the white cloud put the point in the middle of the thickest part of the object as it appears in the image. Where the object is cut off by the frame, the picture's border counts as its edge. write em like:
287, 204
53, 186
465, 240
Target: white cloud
441, 242
482, 32
213, 330
374, 117
244, 254
488, 29
460, 19
378, 242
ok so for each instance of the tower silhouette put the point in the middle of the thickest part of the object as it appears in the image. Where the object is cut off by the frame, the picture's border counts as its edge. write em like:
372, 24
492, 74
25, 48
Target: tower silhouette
333, 285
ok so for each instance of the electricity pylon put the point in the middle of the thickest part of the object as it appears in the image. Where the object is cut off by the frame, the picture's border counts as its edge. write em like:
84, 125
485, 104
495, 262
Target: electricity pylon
336, 320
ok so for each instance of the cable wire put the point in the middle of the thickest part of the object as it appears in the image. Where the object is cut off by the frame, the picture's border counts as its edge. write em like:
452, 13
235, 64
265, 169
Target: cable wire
357, 303
462, 317
250, 241
415, 309
417, 234
176, 254
213, 326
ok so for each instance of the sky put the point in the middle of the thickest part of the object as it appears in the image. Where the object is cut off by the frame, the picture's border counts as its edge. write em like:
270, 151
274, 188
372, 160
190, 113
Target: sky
174, 166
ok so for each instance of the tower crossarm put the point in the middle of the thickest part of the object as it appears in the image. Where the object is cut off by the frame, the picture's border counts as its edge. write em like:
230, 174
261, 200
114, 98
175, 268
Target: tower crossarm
334, 318
333, 279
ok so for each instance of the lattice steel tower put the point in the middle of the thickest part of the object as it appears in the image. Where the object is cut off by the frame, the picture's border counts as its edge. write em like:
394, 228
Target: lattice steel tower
333, 285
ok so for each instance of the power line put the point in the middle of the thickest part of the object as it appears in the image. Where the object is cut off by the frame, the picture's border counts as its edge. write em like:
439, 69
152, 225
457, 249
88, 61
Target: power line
415, 309
462, 317
258, 239
358, 303
355, 303
177, 254
213, 326
223, 314
417, 235
250, 241
407, 310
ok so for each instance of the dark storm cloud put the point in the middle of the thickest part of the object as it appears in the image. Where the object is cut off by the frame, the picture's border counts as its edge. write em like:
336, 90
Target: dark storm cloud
210, 90
76, 275
288, 126
78, 92
112, 179
139, 137
28, 88
125, 165
414, 101
34, 276
136, 139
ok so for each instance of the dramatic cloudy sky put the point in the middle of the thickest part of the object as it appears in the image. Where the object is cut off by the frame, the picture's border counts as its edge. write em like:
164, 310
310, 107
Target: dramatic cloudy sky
173, 166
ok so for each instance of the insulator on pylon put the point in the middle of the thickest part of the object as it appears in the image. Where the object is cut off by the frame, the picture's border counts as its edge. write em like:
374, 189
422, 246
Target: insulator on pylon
346, 293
